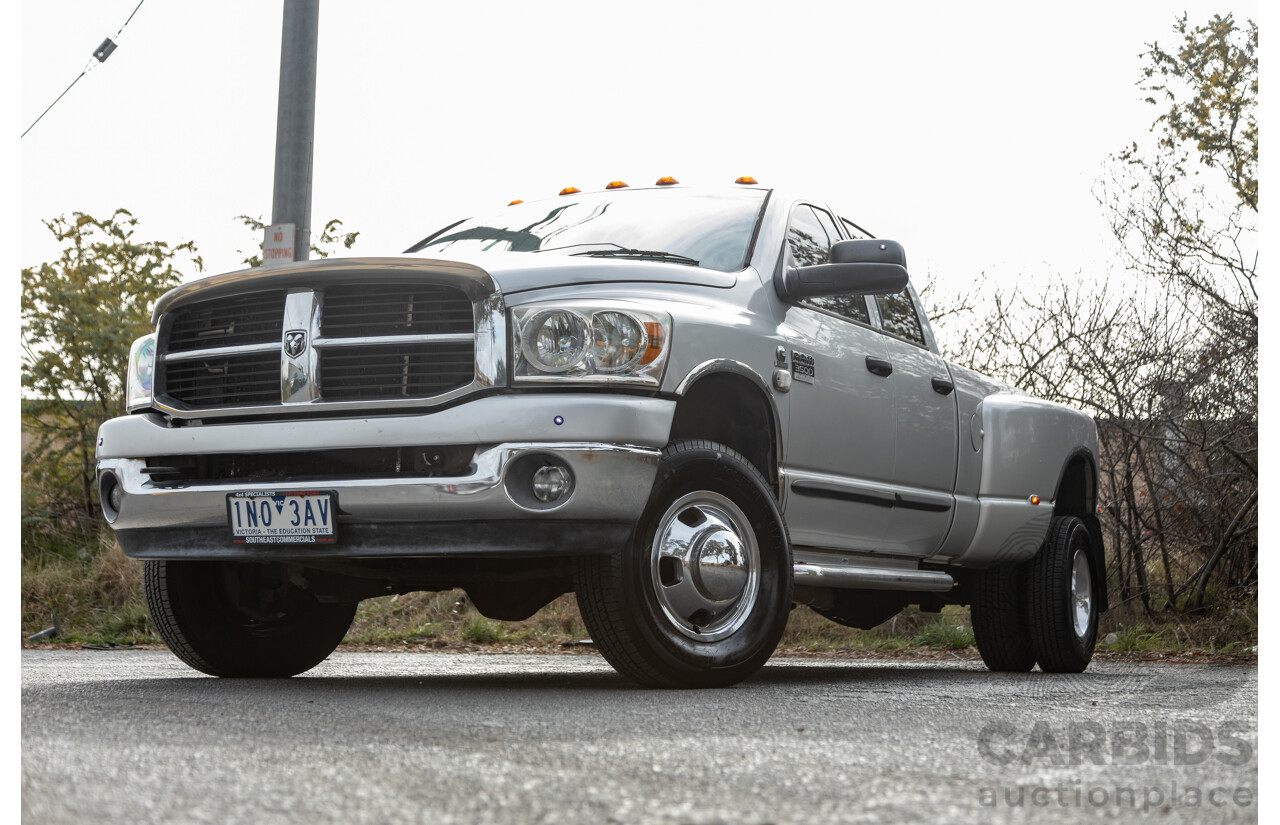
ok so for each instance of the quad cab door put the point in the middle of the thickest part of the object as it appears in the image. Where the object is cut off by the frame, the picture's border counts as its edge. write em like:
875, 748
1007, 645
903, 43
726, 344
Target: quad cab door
925, 413
841, 432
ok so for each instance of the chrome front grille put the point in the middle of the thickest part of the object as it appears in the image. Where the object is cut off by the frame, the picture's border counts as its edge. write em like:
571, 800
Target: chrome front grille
353, 310
227, 322
225, 380
342, 343
416, 370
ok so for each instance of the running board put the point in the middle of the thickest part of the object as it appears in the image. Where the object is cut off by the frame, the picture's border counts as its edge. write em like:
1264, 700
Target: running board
871, 578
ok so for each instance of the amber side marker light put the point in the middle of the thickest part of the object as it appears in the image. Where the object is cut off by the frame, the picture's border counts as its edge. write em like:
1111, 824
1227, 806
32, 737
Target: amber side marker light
656, 341
570, 190
617, 184
746, 180
514, 202
1035, 499
666, 181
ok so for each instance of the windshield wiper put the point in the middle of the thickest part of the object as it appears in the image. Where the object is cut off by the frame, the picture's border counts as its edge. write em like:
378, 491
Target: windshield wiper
645, 254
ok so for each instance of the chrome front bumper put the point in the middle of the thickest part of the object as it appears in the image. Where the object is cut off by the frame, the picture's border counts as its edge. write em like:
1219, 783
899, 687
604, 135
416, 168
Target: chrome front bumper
474, 513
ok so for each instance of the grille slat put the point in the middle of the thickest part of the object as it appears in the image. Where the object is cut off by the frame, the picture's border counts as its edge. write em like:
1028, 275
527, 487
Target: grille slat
229, 381
394, 309
256, 318
395, 371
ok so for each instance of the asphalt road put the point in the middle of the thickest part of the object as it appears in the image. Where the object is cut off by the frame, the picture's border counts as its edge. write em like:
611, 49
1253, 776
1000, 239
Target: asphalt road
135, 736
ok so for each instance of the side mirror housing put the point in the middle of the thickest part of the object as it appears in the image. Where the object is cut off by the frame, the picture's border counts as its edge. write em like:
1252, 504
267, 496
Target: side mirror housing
861, 267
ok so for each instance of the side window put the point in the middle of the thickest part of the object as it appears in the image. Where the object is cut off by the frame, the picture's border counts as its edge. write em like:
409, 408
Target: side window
828, 223
898, 317
808, 240
853, 230
809, 222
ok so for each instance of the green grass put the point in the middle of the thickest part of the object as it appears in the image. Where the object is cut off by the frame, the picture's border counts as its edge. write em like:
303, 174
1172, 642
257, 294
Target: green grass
483, 631
946, 635
94, 592
911, 629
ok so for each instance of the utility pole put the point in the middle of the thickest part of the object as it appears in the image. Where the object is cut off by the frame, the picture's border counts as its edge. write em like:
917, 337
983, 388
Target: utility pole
289, 236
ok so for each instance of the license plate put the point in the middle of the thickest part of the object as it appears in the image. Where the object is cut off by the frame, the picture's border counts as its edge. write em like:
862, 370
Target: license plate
284, 517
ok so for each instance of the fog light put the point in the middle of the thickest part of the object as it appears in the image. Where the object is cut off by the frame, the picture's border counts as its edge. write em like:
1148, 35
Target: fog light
111, 494
550, 483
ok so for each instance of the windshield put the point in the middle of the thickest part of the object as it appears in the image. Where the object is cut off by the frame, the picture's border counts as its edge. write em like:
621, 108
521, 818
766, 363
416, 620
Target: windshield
707, 229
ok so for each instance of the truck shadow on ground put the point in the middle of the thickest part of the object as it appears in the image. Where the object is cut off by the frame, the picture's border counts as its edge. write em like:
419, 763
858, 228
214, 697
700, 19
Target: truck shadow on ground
507, 678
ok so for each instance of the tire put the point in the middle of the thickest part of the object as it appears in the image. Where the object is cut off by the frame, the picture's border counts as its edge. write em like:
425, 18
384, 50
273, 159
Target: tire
241, 619
999, 619
661, 611
1062, 608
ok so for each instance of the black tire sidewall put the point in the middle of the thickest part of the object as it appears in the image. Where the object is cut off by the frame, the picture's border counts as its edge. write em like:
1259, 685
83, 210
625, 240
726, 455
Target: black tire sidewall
691, 469
1078, 539
194, 615
1050, 606
999, 624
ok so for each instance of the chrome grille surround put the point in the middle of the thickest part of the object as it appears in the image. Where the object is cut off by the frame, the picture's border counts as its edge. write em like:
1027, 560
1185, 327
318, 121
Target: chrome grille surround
416, 365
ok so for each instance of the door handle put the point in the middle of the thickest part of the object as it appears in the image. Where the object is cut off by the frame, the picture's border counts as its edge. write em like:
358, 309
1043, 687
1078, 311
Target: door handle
878, 366
942, 386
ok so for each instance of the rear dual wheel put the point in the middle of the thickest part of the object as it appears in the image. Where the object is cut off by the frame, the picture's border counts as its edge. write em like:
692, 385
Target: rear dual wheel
1043, 611
1062, 611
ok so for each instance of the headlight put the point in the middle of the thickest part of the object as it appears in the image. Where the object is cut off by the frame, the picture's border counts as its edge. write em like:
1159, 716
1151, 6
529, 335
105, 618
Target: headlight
590, 342
555, 340
140, 373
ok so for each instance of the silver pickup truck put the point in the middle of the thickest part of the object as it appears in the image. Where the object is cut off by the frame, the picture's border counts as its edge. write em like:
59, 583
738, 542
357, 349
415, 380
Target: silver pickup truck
695, 408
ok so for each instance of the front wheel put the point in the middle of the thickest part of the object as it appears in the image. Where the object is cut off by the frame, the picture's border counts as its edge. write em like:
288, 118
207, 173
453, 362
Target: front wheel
241, 618
700, 596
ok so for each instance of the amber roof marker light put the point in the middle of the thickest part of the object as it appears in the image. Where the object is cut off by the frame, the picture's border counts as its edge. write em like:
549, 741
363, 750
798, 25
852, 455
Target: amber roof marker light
570, 190
617, 184
666, 181
747, 180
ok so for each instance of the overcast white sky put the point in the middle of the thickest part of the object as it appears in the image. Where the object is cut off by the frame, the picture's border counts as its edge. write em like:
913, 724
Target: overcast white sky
972, 133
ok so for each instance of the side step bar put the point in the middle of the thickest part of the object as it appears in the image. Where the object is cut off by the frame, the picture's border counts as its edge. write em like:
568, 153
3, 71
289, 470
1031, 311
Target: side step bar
871, 578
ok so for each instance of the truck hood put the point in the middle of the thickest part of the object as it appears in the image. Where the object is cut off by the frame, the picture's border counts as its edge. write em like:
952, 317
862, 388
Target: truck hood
510, 272
523, 271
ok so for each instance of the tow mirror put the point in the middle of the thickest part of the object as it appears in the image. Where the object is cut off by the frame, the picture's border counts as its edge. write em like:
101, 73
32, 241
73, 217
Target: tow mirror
861, 267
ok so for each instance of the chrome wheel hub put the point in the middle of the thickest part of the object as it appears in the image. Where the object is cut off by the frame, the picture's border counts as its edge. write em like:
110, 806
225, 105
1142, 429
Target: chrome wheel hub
705, 566
1081, 594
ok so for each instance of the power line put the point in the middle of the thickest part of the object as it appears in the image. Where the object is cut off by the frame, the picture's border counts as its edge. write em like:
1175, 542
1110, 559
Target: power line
100, 55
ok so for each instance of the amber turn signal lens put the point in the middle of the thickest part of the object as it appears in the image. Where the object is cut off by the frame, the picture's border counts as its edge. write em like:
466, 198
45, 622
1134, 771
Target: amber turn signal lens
657, 339
570, 190
513, 203
666, 181
617, 184
746, 179
1035, 499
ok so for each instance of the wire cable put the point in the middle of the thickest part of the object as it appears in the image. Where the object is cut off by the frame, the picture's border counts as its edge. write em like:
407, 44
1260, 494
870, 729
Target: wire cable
100, 55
